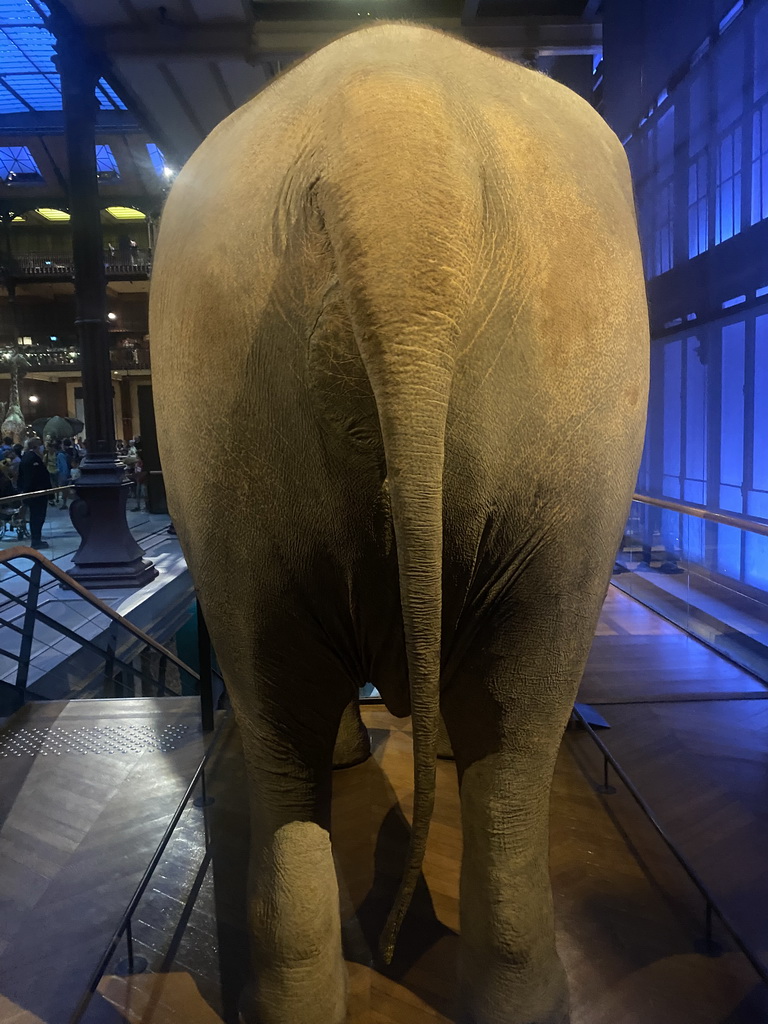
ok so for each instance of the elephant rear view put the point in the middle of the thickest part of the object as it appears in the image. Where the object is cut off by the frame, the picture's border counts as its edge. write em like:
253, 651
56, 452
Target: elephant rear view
402, 290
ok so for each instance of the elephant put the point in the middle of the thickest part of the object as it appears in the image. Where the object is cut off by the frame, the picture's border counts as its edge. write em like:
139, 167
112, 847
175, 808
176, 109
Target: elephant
405, 283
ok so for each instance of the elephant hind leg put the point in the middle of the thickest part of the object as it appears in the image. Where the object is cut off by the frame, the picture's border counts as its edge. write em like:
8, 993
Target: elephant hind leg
299, 976
353, 744
506, 709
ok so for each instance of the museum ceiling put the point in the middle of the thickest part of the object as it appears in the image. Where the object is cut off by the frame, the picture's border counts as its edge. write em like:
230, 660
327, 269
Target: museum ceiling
184, 65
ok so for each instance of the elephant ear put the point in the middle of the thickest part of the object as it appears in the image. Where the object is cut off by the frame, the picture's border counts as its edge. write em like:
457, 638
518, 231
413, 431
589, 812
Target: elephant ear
399, 177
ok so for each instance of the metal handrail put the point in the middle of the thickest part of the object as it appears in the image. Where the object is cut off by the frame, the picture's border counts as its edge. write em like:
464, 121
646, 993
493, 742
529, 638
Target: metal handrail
20, 551
753, 525
21, 496
124, 924
36, 494
40, 563
711, 903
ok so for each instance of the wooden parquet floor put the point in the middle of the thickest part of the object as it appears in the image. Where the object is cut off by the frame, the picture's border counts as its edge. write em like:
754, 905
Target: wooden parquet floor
629, 922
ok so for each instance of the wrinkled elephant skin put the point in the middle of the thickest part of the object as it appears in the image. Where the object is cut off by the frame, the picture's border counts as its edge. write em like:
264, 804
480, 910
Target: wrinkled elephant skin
402, 287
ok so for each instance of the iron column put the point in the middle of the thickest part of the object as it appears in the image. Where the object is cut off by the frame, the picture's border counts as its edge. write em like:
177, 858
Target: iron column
108, 555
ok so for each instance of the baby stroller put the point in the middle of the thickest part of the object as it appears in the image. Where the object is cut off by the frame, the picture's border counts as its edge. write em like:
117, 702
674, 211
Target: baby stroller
13, 517
13, 514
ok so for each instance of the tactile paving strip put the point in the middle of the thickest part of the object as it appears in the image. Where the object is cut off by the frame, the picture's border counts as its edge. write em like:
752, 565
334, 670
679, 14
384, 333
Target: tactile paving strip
92, 739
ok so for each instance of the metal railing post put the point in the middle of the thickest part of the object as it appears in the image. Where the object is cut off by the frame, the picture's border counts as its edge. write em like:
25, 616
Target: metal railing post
28, 633
206, 675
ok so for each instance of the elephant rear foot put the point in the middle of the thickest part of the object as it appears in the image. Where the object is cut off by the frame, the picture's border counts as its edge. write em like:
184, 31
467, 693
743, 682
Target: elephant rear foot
299, 973
494, 992
353, 744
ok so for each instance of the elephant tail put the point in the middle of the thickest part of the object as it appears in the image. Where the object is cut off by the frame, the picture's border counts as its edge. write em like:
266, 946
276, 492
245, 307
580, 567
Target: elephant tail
397, 183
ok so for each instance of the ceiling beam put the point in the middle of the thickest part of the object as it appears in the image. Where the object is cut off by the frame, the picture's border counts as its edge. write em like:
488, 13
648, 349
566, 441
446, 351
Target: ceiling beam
548, 37
184, 39
294, 38
51, 122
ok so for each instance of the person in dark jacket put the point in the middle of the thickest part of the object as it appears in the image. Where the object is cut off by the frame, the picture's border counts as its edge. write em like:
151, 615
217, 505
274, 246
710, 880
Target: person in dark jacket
33, 476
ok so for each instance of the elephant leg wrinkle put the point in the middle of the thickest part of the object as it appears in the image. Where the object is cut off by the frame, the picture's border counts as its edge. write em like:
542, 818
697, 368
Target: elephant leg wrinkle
509, 970
299, 973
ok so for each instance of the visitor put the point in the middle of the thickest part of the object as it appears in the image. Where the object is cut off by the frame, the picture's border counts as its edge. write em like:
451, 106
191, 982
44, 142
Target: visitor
6, 447
64, 470
7, 483
50, 458
12, 513
15, 457
33, 476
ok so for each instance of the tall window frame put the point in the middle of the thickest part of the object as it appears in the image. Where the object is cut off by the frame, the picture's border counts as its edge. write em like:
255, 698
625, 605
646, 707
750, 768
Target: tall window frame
698, 162
664, 220
759, 148
729, 72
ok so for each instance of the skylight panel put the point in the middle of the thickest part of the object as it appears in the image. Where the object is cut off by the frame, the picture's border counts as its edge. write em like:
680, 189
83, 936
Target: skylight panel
20, 10
106, 165
18, 162
37, 90
35, 42
27, 60
12, 58
105, 87
157, 158
9, 104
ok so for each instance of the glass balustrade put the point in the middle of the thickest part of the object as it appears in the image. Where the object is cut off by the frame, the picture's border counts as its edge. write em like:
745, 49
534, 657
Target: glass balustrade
704, 571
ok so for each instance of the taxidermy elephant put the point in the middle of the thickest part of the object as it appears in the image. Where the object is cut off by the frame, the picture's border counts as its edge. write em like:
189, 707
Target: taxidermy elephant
409, 272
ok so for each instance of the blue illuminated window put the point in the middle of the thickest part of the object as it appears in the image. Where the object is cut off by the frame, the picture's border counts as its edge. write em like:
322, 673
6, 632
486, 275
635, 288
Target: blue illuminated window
729, 539
759, 196
662, 259
106, 165
645, 216
107, 97
698, 114
756, 547
665, 142
157, 158
18, 165
729, 78
660, 194
40, 92
698, 213
760, 411
29, 80
672, 417
760, 34
694, 484
728, 187
732, 417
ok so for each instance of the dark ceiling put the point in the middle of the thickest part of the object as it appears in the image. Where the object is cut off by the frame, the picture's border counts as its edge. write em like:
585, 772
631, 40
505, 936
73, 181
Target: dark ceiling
181, 66
184, 65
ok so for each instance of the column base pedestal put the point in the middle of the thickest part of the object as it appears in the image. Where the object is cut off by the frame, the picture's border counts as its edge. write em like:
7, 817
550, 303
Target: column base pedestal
134, 574
108, 555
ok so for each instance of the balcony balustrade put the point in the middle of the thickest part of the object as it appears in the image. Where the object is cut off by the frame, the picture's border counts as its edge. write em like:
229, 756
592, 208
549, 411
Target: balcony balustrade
63, 360
136, 263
